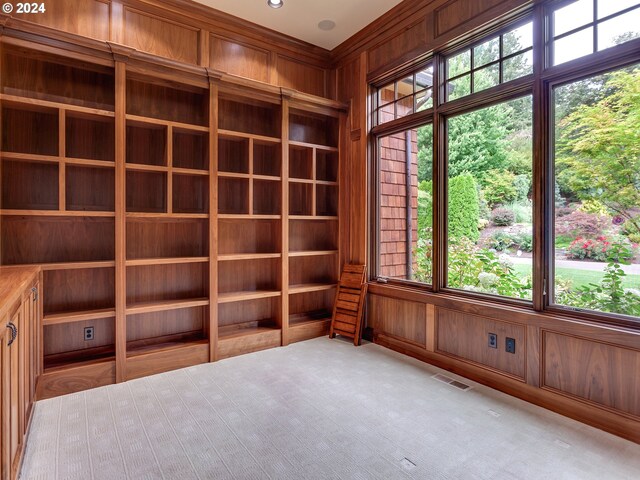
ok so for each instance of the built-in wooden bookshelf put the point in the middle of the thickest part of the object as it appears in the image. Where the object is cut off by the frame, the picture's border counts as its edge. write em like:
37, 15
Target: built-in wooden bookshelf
119, 188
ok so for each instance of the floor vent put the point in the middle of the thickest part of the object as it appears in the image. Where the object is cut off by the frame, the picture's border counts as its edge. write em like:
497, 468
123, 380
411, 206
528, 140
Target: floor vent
460, 385
442, 378
451, 381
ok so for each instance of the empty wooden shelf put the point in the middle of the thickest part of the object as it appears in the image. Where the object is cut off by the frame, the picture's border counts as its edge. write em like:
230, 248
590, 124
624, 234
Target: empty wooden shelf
165, 210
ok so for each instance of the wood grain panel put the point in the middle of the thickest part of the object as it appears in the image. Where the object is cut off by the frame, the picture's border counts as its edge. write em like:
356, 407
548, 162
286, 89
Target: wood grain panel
167, 323
300, 76
75, 379
405, 320
466, 336
229, 347
89, 18
604, 374
167, 360
66, 338
457, 12
238, 59
78, 289
309, 330
408, 41
160, 37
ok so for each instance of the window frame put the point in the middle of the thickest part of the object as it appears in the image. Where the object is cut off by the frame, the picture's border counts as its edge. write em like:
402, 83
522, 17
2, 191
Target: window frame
540, 85
470, 46
594, 24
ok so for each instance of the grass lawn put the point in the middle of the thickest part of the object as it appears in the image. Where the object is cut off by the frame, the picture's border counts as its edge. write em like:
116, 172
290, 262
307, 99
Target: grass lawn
582, 277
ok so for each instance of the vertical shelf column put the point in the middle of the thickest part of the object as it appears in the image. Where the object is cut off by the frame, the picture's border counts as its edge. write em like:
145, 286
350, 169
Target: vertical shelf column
62, 149
120, 222
213, 219
285, 222
169, 169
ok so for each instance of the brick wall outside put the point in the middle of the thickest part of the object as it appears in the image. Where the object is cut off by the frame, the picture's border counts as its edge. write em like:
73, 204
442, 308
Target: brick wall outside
393, 224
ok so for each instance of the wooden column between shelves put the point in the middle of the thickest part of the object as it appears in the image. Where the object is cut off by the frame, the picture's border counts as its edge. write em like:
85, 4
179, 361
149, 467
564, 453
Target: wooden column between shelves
120, 223
169, 169
62, 152
250, 176
285, 223
314, 185
213, 221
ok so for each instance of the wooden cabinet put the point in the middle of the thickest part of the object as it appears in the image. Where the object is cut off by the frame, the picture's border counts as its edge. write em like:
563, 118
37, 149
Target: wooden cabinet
19, 319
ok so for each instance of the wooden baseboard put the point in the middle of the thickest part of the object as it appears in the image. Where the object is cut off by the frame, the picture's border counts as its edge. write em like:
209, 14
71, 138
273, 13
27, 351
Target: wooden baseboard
620, 425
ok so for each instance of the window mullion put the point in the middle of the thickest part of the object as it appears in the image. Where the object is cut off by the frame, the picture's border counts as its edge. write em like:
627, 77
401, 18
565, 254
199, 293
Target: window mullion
439, 177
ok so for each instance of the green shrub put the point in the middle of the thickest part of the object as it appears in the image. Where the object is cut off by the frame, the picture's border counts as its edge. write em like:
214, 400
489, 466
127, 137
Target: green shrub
480, 270
425, 205
522, 184
593, 206
607, 296
500, 187
500, 241
464, 209
502, 217
522, 211
524, 240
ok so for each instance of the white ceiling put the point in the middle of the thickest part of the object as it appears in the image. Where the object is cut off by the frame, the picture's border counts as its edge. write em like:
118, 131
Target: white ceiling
300, 18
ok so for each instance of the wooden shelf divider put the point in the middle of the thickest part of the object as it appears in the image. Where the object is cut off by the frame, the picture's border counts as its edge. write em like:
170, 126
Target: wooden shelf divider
150, 307
70, 317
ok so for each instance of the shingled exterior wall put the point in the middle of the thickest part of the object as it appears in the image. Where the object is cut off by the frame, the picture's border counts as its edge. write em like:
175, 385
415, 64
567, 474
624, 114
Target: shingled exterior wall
393, 201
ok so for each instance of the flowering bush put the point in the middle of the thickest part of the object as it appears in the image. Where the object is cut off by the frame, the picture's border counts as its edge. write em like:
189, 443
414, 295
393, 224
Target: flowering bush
600, 249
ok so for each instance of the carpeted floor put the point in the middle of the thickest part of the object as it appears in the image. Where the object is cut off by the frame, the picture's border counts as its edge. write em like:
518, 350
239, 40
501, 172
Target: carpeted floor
321, 409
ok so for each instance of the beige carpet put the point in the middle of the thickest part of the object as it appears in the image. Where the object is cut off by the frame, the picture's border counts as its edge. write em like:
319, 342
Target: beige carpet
321, 409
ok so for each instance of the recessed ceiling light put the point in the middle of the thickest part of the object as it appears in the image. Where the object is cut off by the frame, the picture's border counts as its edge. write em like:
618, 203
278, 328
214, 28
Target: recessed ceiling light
327, 25
275, 3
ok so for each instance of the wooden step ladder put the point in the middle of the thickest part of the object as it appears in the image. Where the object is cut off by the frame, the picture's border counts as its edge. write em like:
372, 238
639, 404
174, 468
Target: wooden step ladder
349, 304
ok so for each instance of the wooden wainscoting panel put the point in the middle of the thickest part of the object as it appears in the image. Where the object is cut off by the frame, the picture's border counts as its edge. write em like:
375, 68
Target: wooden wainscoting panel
70, 380
152, 34
414, 37
457, 12
398, 318
597, 372
238, 59
466, 337
89, 18
301, 76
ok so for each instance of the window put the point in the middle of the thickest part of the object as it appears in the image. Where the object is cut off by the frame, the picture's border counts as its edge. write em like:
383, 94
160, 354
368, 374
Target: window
412, 93
405, 205
490, 235
499, 59
582, 27
473, 199
596, 260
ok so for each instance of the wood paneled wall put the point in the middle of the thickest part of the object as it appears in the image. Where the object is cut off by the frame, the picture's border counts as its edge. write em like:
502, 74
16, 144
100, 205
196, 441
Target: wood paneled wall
585, 371
193, 34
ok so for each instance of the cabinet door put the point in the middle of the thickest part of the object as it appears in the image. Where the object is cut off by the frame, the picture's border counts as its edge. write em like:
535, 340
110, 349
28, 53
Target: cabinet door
16, 396
25, 347
5, 401
33, 344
